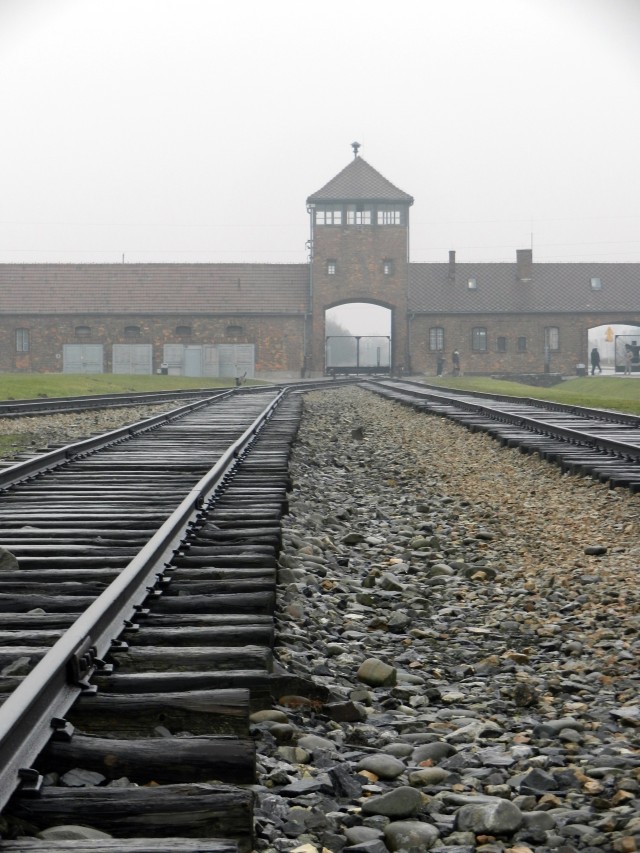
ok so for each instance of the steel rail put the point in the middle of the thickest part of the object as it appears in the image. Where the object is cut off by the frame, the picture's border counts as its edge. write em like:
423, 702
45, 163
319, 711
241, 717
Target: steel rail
41, 407
536, 402
541, 426
60, 405
35, 711
49, 460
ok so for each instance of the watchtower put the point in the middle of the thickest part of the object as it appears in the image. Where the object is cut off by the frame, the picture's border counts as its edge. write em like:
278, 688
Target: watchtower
359, 249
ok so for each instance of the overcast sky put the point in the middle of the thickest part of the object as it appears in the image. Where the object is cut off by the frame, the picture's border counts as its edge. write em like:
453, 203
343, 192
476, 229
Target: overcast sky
194, 130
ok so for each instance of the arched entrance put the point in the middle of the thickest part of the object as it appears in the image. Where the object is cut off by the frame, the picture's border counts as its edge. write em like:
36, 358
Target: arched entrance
358, 339
618, 345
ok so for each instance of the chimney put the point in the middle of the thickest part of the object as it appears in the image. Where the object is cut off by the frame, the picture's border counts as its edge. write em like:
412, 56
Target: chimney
524, 262
452, 265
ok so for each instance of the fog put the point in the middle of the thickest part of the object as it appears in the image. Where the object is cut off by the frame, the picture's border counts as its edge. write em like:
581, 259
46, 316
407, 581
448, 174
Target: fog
192, 130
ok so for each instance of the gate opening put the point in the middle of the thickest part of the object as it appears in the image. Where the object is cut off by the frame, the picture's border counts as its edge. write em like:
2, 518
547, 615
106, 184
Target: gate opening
618, 346
357, 339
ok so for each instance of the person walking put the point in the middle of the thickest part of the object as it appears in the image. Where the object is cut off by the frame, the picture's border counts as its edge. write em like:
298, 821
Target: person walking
628, 357
455, 359
595, 361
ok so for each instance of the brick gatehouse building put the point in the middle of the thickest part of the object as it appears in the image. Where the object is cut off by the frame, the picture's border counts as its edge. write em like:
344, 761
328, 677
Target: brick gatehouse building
268, 320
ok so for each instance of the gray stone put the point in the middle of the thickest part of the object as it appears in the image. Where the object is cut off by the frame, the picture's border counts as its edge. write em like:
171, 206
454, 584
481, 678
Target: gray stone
410, 834
384, 766
499, 817
71, 832
399, 802
377, 673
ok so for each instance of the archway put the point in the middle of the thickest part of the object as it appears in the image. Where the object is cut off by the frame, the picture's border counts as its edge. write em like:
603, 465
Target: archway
613, 342
358, 338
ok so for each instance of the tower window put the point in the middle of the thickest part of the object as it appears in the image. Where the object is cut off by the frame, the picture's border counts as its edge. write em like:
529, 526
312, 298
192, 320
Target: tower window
132, 331
387, 266
332, 266
472, 284
183, 331
596, 283
501, 344
328, 216
83, 331
358, 214
389, 215
522, 344
234, 331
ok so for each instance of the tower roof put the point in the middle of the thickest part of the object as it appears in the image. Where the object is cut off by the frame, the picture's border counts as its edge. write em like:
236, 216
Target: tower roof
359, 182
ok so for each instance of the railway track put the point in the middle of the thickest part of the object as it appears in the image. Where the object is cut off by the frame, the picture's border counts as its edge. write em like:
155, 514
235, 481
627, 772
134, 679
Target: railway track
601, 444
138, 628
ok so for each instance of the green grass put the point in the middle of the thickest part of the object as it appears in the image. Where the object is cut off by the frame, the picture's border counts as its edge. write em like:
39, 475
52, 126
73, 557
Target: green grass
601, 392
29, 386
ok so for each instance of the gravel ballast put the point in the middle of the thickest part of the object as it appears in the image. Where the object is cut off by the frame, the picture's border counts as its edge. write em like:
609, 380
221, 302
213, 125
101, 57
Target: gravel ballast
474, 615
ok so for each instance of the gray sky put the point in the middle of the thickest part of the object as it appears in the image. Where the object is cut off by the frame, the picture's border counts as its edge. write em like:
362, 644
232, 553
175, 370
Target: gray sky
194, 130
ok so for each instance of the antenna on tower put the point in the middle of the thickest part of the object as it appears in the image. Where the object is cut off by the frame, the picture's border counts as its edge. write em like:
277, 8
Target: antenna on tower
355, 146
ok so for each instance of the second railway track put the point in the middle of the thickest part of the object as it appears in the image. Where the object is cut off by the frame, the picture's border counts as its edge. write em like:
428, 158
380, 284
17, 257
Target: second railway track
601, 444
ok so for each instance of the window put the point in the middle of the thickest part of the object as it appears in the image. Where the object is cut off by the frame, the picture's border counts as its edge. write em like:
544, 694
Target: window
472, 284
436, 339
328, 216
387, 266
501, 344
22, 340
332, 266
552, 338
83, 331
234, 331
596, 283
358, 214
522, 344
479, 339
389, 216
183, 331
132, 331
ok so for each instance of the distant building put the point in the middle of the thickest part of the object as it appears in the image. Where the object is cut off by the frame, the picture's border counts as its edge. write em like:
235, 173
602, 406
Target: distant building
268, 320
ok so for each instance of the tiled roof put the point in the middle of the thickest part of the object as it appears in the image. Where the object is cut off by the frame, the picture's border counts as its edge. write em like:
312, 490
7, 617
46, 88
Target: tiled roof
153, 288
554, 287
359, 182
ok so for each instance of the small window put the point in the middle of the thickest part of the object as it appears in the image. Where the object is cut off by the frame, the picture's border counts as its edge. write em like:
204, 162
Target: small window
358, 214
22, 340
387, 266
389, 216
234, 331
132, 331
472, 283
183, 331
436, 339
326, 216
522, 344
83, 331
332, 266
479, 339
596, 284
552, 338
501, 344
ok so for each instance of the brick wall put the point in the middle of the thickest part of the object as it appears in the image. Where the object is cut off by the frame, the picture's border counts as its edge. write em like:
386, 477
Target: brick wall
278, 340
458, 334
359, 253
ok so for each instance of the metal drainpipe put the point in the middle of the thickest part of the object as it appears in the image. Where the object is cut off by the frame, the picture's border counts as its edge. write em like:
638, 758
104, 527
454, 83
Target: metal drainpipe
308, 319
